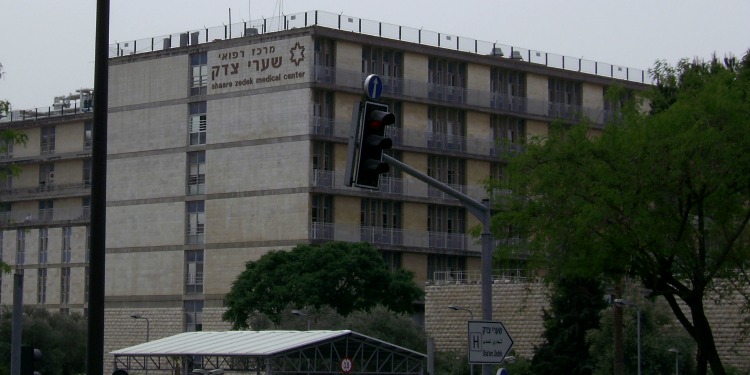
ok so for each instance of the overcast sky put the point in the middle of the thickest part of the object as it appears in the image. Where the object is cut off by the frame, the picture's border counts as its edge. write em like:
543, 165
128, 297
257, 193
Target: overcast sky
47, 47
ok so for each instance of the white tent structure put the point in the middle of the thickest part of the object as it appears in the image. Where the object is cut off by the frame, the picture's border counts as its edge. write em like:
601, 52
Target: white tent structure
269, 352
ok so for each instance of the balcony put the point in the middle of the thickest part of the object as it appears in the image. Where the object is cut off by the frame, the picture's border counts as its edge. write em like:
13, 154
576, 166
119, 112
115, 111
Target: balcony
475, 277
46, 190
378, 236
45, 216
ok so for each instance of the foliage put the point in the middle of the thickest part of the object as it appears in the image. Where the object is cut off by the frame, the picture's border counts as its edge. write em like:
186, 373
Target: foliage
660, 196
60, 337
659, 333
345, 276
4, 104
575, 305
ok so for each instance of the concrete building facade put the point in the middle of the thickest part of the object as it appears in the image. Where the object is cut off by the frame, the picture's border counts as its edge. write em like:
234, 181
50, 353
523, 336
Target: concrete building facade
223, 147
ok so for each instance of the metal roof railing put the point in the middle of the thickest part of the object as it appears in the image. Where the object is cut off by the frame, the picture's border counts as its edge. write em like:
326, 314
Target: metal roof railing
379, 29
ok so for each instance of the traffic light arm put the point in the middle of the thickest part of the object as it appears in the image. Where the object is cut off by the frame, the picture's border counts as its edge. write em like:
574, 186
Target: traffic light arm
476, 207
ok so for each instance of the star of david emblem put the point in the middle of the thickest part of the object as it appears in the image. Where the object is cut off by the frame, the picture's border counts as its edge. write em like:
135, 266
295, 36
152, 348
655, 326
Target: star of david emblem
297, 54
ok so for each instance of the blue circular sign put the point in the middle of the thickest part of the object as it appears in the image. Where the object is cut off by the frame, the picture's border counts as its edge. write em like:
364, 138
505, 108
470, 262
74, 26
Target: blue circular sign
373, 86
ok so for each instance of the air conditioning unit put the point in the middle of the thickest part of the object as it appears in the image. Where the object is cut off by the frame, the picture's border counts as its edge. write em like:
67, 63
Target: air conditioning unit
51, 176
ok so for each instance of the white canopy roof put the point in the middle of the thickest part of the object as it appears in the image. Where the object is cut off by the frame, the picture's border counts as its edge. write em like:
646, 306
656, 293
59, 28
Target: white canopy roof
276, 352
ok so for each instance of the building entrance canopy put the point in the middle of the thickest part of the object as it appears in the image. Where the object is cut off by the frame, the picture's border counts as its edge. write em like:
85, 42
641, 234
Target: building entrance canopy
270, 352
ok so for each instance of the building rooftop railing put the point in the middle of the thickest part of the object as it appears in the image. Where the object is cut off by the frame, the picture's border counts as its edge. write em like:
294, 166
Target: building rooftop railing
379, 29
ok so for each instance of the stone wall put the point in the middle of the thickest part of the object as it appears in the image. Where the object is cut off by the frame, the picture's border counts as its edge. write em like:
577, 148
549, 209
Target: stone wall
519, 305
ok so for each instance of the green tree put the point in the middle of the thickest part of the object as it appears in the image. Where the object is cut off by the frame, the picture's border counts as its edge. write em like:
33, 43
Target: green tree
575, 304
661, 196
658, 334
345, 276
60, 337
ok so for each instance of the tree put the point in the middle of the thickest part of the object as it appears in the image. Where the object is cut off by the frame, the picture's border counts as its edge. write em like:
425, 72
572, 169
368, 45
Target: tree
4, 104
345, 276
575, 305
60, 337
661, 196
658, 333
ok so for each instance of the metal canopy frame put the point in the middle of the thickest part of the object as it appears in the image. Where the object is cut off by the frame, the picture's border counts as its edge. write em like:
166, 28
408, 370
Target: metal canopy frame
276, 353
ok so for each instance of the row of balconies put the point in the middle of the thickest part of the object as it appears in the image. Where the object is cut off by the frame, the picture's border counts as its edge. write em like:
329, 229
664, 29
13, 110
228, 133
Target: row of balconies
453, 95
421, 139
45, 216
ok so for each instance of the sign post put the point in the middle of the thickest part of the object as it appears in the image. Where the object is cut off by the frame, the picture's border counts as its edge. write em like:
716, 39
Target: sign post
489, 342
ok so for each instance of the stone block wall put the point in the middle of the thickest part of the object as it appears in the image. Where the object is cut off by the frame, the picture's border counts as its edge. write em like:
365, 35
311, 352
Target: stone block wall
518, 305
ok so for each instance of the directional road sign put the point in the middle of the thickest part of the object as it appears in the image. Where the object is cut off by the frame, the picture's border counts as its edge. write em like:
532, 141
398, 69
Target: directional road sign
489, 342
373, 86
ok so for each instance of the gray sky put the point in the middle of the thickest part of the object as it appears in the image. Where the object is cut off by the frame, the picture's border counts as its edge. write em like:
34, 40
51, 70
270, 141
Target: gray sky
47, 47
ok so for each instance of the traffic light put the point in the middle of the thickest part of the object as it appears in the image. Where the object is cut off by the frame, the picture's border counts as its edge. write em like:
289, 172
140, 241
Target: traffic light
372, 141
30, 360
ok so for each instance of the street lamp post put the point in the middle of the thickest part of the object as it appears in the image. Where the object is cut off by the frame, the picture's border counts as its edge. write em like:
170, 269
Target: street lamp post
148, 325
622, 302
676, 360
471, 315
300, 313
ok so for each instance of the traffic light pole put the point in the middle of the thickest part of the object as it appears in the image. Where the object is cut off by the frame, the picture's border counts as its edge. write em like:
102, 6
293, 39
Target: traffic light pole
482, 211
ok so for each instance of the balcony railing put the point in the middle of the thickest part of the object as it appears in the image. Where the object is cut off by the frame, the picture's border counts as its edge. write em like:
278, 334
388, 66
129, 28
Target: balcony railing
394, 237
46, 188
44, 216
475, 277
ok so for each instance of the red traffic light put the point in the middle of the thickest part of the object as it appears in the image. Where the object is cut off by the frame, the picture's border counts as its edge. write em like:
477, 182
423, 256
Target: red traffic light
376, 120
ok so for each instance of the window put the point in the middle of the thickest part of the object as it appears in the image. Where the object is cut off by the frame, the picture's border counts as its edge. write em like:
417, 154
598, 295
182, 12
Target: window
507, 82
446, 227
88, 244
384, 62
323, 105
447, 169
47, 145
46, 210
447, 80
46, 176
380, 221
324, 60
197, 125
564, 97
447, 72
196, 172
88, 135
86, 206
86, 172
380, 213
196, 221
20, 247
41, 286
322, 216
193, 315
65, 285
198, 73
193, 271
322, 208
43, 245
446, 128
508, 133
66, 248
322, 156
393, 259
6, 149
446, 219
